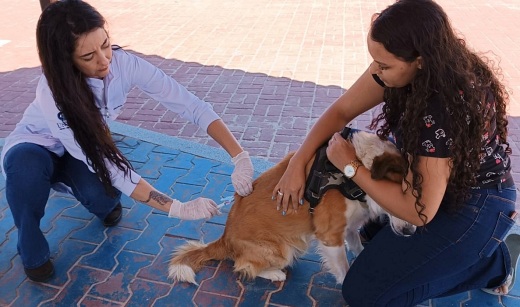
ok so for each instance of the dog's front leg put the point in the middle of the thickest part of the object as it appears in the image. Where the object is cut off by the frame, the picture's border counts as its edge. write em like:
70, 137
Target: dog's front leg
335, 260
357, 215
354, 242
330, 222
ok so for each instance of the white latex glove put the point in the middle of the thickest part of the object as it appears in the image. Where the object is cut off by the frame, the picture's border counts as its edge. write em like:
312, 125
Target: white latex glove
199, 208
242, 177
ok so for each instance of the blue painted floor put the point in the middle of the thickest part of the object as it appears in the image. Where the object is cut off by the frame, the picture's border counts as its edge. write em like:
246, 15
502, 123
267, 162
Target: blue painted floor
127, 265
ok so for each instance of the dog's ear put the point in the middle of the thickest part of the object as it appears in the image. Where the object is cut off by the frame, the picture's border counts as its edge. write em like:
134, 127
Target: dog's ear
388, 166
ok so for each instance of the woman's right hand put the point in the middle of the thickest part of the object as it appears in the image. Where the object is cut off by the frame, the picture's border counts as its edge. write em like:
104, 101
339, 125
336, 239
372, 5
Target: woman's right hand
199, 208
290, 189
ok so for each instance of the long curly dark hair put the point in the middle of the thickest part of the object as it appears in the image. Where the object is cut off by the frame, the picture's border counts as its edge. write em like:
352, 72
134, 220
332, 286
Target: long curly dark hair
59, 26
460, 77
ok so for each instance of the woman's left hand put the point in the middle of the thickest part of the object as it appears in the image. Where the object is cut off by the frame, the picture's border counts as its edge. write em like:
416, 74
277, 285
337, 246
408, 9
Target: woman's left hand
242, 177
340, 151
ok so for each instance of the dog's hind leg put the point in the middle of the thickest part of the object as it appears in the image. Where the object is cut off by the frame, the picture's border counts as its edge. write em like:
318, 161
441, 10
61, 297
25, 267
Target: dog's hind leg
262, 258
250, 269
272, 274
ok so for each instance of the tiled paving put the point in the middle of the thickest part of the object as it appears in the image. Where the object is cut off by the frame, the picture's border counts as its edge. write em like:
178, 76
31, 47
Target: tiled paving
269, 68
127, 265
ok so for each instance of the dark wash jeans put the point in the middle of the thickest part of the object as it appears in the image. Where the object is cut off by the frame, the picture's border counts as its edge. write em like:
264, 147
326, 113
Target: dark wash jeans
455, 252
30, 171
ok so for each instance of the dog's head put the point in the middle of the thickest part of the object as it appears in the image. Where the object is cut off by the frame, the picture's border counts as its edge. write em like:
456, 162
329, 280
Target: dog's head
384, 161
388, 165
368, 146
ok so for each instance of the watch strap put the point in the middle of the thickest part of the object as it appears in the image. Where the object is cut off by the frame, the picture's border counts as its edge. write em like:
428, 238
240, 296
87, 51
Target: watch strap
355, 165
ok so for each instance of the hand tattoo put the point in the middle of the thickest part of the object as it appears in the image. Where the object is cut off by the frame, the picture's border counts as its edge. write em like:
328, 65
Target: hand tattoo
158, 197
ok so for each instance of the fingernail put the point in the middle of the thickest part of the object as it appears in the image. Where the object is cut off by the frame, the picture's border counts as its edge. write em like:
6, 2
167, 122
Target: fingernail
301, 202
284, 212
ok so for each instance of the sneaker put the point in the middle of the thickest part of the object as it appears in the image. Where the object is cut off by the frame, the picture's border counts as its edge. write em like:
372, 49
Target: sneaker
41, 273
114, 217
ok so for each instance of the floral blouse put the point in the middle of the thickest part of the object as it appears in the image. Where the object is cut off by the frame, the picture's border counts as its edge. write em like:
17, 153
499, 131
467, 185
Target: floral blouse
435, 141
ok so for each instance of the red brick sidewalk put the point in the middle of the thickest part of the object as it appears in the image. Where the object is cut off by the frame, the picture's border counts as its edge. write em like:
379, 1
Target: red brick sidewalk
270, 68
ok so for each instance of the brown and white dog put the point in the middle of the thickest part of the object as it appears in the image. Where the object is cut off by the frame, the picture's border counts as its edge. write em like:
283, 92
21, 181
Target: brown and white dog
262, 242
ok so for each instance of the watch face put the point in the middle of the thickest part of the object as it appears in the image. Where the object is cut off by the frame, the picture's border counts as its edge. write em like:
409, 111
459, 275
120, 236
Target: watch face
349, 171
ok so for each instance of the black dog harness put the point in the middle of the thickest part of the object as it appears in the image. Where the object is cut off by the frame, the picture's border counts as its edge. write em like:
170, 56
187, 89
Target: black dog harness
324, 176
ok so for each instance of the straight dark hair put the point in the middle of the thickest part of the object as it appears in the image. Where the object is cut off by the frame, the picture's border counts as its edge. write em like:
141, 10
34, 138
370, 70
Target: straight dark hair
59, 27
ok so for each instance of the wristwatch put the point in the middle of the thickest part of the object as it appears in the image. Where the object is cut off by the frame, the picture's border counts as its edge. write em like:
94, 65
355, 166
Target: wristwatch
351, 168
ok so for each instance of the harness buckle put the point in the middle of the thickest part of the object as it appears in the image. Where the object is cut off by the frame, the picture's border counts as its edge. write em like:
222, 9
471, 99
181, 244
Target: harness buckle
356, 193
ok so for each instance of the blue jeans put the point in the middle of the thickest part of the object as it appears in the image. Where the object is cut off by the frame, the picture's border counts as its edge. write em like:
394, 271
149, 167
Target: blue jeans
455, 252
30, 171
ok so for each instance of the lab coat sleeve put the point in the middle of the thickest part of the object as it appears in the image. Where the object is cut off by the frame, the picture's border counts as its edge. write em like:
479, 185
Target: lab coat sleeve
166, 90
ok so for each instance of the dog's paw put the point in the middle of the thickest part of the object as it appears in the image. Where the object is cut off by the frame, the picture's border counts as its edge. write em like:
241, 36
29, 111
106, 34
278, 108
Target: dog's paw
356, 250
182, 272
273, 275
354, 245
401, 227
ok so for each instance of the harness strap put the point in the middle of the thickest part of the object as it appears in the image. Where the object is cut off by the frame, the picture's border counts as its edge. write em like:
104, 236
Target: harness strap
325, 176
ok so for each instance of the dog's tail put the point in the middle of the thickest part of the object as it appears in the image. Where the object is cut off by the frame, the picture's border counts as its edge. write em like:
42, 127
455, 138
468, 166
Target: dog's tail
190, 257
